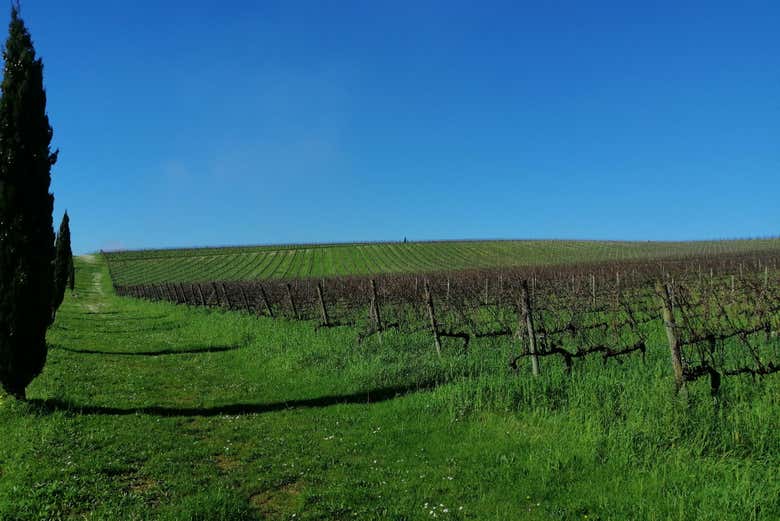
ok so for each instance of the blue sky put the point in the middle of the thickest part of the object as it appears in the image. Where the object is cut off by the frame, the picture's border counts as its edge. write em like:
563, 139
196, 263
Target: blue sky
209, 123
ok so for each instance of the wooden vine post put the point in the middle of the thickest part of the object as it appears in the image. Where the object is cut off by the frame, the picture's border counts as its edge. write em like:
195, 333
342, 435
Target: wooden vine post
292, 301
323, 309
267, 305
593, 289
227, 296
243, 296
216, 294
432, 317
528, 318
671, 334
376, 316
200, 294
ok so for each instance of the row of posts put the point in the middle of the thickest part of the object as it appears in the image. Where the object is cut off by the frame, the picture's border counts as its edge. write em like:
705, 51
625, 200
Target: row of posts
174, 292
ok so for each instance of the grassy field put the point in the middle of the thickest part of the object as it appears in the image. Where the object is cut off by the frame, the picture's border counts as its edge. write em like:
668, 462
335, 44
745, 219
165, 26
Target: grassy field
293, 261
155, 411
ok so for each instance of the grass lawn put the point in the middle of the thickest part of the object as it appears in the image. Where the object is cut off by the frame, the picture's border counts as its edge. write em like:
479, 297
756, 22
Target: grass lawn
156, 411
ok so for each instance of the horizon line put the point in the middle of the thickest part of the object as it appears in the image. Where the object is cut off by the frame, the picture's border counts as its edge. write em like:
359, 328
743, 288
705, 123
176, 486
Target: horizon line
292, 245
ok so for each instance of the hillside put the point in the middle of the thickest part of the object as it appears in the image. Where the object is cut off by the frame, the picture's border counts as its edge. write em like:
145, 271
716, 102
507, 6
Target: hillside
320, 260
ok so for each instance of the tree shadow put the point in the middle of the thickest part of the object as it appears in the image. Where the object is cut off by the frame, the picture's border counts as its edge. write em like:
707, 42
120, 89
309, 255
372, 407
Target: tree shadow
128, 319
154, 328
371, 396
159, 352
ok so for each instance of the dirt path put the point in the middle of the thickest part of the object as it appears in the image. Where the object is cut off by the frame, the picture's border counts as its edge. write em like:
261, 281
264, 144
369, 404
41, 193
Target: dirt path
97, 286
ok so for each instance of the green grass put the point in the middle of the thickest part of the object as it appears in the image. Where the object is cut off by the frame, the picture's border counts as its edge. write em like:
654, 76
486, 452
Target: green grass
252, 418
262, 262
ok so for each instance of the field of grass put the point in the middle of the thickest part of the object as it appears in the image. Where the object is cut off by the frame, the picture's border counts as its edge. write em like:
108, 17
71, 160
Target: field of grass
156, 411
294, 261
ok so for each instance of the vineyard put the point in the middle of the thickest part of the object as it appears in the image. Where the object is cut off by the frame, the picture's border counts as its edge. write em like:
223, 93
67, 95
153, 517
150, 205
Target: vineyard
404, 395
302, 261
718, 314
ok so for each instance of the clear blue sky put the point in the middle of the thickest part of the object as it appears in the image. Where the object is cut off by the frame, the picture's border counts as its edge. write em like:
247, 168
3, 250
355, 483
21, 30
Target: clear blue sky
213, 122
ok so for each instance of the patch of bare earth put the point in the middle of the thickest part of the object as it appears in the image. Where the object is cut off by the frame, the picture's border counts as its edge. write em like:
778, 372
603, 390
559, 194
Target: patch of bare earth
226, 463
279, 500
136, 484
141, 485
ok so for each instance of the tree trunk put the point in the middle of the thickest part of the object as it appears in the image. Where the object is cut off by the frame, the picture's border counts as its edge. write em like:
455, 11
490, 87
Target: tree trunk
16, 390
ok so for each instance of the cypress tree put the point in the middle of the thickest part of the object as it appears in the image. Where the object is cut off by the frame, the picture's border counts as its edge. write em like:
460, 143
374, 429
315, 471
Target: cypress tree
26, 233
63, 264
72, 274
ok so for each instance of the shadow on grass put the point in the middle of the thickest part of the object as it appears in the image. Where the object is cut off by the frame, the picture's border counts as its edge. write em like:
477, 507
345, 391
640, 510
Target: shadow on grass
158, 328
160, 352
99, 320
371, 396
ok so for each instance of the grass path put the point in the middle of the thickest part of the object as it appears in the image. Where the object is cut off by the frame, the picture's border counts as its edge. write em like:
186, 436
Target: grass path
156, 411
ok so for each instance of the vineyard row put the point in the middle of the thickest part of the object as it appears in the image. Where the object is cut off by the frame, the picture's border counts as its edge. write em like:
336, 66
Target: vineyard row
720, 314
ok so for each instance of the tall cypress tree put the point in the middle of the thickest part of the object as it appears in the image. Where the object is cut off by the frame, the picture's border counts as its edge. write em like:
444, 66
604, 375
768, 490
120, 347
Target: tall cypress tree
72, 274
63, 264
26, 233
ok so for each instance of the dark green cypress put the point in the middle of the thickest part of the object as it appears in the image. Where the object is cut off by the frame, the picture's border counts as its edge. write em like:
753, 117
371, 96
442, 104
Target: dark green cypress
72, 275
63, 264
26, 233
